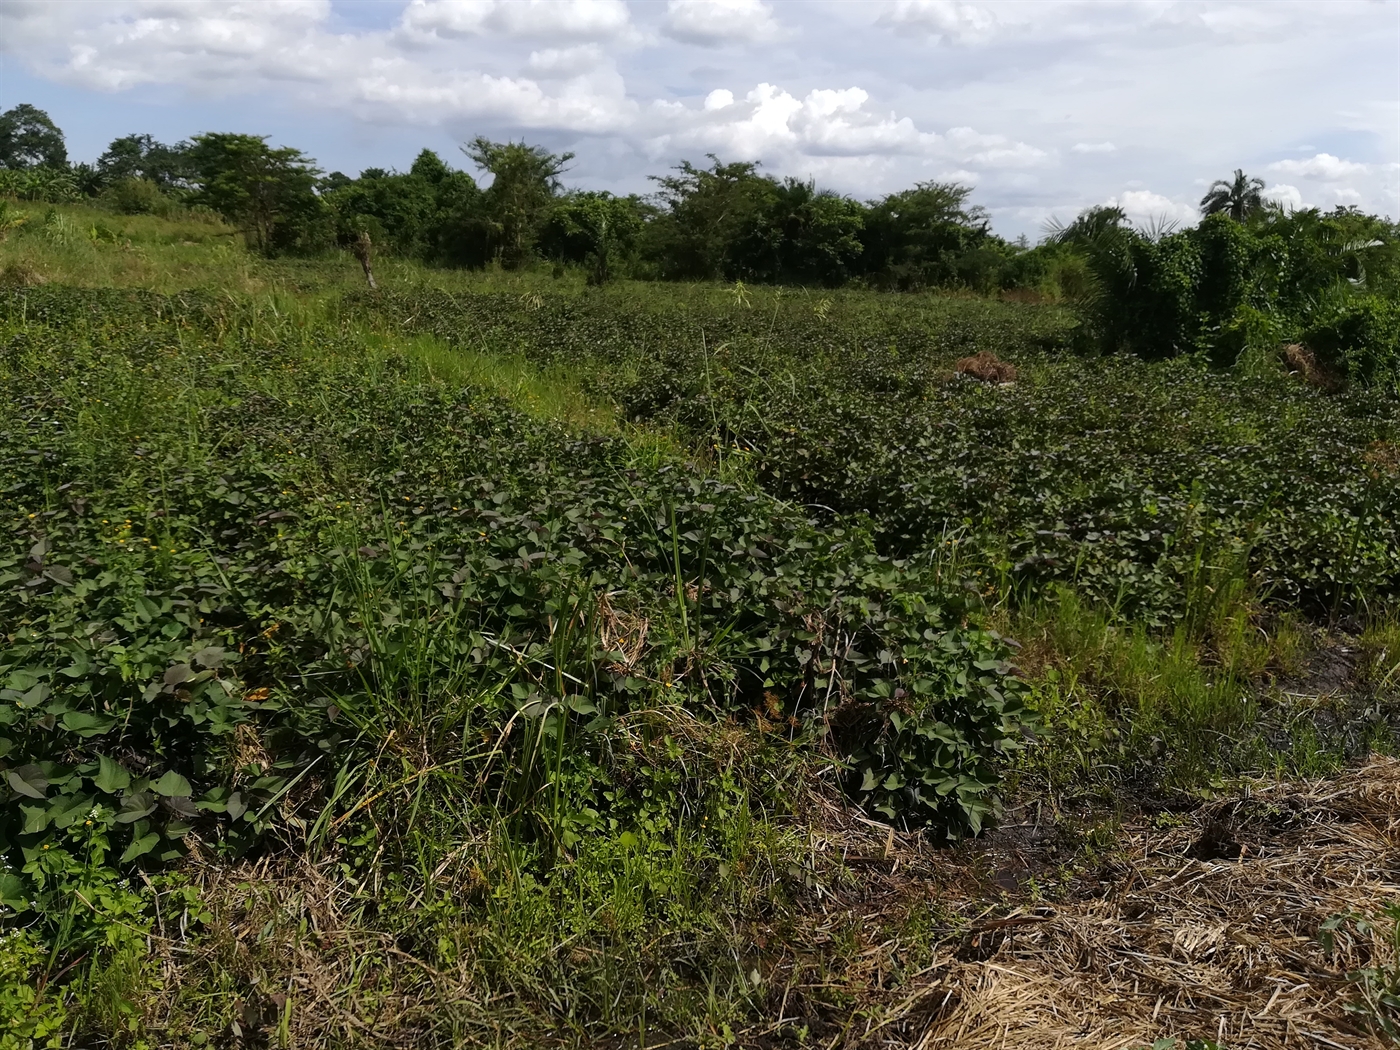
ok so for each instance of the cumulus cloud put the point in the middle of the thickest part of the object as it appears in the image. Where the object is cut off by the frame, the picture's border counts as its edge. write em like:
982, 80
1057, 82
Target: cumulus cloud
712, 23
992, 151
548, 19
1289, 196
1321, 166
865, 103
566, 61
771, 123
1146, 208
957, 22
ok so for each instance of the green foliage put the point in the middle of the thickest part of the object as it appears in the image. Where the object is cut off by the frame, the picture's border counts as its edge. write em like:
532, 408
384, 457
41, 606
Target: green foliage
30, 139
171, 594
927, 237
706, 213
138, 197
594, 230
29, 1019
142, 157
1237, 198
47, 184
524, 185
1234, 291
267, 193
1107, 475
1360, 340
431, 213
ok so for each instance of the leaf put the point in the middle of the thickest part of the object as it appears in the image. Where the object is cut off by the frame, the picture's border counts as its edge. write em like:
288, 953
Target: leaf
236, 806
88, 725
140, 847
111, 775
172, 785
34, 697
59, 574
181, 806
136, 807
36, 819
211, 657
28, 780
582, 705
66, 810
12, 892
178, 675
6, 746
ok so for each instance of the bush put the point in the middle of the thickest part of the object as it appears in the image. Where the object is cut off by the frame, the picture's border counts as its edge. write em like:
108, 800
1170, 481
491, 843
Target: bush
138, 197
1361, 340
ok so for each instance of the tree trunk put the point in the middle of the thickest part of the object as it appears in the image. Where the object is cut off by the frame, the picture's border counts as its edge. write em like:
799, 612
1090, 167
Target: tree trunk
364, 249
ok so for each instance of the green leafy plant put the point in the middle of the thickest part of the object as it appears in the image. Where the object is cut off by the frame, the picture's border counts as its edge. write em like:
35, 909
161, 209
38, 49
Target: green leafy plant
1377, 996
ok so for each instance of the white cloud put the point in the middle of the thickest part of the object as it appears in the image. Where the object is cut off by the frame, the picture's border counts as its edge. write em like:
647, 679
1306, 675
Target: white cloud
1043, 105
548, 19
828, 133
1145, 208
1322, 166
960, 23
711, 23
992, 151
1289, 196
566, 61
719, 98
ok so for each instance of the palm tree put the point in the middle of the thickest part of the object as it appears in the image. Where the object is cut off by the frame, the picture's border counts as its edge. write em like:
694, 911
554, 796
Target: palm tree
1239, 197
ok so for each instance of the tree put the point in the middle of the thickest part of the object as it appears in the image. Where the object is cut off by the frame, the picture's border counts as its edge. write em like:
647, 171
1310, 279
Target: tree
29, 139
268, 193
142, 157
432, 212
593, 229
917, 237
1239, 197
818, 234
525, 183
713, 228
1090, 225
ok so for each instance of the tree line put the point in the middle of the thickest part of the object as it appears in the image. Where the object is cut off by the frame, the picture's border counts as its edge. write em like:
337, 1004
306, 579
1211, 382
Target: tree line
1250, 274
716, 221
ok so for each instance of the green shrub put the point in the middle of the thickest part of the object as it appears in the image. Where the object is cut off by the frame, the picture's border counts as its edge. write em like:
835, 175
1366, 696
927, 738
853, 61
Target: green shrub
1361, 340
29, 1019
138, 197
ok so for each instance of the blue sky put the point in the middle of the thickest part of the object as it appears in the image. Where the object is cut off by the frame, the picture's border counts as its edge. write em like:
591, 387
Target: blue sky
1044, 107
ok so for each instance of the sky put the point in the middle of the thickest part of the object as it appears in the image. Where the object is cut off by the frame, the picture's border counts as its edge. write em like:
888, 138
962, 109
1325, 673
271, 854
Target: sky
1043, 107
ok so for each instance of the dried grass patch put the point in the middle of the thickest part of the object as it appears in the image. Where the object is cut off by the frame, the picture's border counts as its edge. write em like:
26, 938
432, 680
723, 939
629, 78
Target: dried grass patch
1177, 945
986, 367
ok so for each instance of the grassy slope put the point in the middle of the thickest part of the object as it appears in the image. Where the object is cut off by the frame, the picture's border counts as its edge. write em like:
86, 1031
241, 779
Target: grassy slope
417, 918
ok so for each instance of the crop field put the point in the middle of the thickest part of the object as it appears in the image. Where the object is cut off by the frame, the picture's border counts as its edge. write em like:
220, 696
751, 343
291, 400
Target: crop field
498, 660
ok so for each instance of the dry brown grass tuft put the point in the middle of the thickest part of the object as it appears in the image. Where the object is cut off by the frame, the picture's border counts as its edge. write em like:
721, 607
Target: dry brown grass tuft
20, 274
1303, 363
987, 367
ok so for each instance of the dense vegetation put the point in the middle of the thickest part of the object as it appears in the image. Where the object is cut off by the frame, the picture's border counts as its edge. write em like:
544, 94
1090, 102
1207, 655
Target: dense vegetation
516, 637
